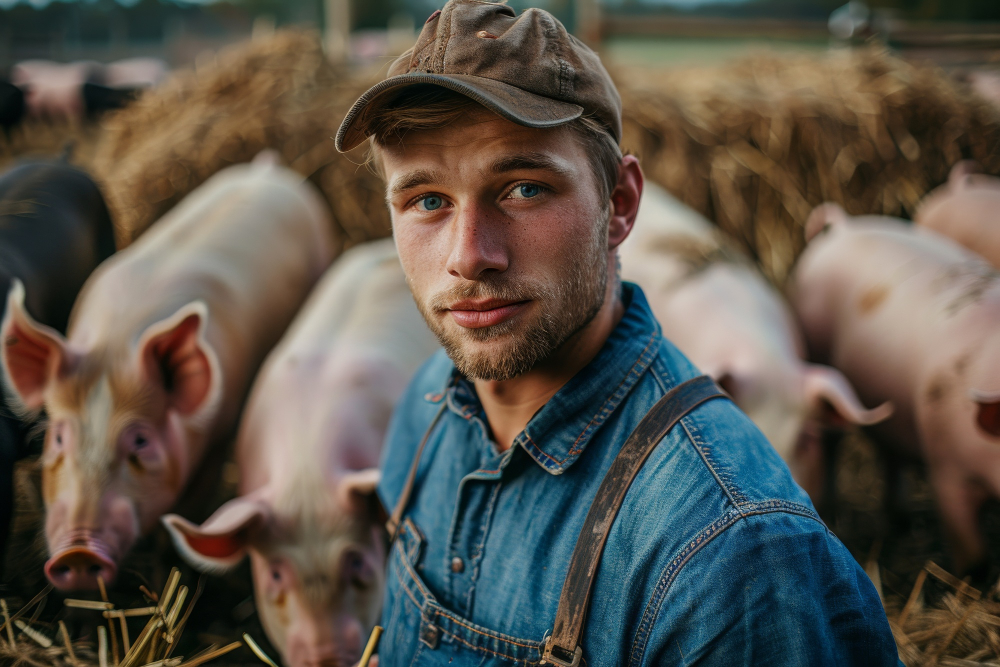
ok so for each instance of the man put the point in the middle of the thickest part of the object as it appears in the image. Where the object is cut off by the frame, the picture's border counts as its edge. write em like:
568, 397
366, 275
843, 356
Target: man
497, 136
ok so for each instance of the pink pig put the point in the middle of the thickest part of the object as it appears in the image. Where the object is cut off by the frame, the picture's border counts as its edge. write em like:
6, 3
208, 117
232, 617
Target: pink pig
162, 345
733, 325
307, 450
54, 91
966, 208
134, 73
911, 317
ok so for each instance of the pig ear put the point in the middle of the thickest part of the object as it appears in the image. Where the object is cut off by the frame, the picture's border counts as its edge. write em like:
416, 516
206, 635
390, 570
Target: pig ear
958, 177
220, 543
32, 353
822, 217
356, 490
987, 411
174, 352
827, 387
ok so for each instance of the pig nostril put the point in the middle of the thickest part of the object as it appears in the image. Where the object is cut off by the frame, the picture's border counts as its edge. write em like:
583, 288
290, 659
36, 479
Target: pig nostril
94, 570
60, 570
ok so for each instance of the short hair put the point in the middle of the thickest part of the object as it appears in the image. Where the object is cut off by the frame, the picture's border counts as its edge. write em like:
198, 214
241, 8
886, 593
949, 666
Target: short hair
430, 107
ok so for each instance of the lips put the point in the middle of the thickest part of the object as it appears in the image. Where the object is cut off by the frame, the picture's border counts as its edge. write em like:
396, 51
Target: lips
485, 313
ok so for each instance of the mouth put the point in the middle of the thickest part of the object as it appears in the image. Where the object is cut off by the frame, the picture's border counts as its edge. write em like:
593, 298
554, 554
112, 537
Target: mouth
477, 314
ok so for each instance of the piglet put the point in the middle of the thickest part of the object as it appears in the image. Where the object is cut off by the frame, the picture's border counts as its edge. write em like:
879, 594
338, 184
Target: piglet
731, 323
162, 344
967, 209
307, 450
911, 317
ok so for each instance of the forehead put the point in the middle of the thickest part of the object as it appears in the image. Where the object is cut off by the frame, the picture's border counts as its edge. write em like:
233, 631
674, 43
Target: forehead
98, 380
478, 139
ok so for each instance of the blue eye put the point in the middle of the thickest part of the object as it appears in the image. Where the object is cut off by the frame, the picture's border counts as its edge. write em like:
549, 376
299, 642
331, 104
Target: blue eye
526, 191
431, 203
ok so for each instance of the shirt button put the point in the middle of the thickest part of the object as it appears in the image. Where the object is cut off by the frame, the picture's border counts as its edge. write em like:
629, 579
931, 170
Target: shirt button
457, 565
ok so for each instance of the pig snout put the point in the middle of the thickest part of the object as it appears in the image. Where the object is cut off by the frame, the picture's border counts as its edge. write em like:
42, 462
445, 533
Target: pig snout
316, 642
87, 542
79, 569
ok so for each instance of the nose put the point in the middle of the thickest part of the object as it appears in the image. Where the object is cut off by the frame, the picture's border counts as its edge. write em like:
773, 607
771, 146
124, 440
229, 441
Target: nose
477, 244
78, 569
310, 647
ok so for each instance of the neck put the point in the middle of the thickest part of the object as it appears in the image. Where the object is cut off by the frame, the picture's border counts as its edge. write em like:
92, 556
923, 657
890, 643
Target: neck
510, 404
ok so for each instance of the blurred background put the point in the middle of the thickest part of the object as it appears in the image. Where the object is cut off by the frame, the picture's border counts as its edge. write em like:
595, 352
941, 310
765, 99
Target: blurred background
951, 32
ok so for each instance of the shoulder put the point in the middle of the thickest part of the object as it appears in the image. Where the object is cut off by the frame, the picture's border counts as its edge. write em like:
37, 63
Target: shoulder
734, 457
776, 588
413, 415
726, 554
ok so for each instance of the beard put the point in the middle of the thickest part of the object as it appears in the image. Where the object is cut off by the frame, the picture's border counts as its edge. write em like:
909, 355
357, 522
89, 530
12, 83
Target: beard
562, 308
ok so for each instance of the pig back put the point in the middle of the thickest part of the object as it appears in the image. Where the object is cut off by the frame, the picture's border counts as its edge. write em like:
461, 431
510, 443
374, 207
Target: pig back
670, 242
54, 230
965, 210
249, 243
363, 302
884, 302
358, 339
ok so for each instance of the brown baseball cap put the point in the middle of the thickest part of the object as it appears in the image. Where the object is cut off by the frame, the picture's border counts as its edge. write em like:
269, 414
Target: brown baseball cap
525, 68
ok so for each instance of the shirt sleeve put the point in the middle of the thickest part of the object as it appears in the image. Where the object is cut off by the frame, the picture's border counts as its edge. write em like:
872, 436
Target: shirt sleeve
772, 589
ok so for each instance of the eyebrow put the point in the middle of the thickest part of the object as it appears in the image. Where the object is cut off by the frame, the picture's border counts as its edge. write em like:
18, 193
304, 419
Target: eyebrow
410, 180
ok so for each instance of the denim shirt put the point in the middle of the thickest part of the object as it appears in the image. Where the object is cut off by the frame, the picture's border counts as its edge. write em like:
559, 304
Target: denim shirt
716, 557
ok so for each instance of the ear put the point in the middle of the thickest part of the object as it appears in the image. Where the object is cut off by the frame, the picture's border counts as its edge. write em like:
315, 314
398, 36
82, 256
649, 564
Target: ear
220, 543
988, 418
826, 387
625, 201
32, 353
958, 177
822, 217
174, 353
267, 158
987, 411
356, 490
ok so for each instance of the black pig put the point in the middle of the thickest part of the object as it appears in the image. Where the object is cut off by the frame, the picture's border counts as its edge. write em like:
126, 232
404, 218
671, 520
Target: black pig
54, 230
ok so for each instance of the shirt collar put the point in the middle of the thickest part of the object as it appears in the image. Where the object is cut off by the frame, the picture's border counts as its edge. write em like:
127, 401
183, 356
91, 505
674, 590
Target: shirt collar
559, 432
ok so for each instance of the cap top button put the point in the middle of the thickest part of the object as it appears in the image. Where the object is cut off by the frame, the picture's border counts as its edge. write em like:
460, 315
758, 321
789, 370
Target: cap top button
457, 565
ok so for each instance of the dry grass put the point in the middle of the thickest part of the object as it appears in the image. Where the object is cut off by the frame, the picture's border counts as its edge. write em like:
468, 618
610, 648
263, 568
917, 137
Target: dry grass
278, 93
755, 145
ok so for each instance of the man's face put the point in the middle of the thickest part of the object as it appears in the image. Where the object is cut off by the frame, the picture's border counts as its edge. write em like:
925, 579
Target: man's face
503, 236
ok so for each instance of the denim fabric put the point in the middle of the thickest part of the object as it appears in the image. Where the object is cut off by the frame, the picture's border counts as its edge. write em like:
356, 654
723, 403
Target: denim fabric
717, 557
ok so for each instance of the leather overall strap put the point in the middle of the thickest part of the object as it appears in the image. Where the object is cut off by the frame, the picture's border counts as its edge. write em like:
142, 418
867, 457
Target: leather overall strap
562, 648
392, 525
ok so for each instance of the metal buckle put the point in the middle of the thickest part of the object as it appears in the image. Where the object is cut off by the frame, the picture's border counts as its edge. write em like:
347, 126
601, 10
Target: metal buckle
564, 659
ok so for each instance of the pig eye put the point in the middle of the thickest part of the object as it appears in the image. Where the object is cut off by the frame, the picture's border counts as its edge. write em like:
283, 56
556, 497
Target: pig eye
356, 569
139, 441
275, 574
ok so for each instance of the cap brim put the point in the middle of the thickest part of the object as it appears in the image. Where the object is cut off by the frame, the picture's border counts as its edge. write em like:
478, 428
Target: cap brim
516, 105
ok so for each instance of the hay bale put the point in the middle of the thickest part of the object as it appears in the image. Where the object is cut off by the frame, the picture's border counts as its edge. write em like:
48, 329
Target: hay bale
755, 145
279, 92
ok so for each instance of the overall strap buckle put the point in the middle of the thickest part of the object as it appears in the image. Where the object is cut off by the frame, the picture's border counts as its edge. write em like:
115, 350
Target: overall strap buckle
560, 657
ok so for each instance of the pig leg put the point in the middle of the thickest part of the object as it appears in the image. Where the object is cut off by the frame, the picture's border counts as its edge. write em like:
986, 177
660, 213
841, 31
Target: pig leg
959, 499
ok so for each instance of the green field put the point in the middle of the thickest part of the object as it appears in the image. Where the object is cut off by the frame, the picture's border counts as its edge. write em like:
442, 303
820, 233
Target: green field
701, 50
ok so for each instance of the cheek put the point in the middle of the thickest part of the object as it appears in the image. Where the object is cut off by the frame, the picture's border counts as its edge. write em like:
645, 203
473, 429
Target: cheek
51, 475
